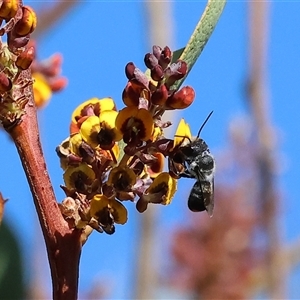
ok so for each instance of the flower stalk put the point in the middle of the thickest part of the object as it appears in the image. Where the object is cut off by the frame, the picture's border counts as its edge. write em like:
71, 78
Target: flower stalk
18, 117
62, 243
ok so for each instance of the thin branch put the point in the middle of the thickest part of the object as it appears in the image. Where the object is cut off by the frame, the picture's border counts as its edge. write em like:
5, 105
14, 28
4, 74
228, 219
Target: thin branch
49, 16
289, 258
258, 97
63, 243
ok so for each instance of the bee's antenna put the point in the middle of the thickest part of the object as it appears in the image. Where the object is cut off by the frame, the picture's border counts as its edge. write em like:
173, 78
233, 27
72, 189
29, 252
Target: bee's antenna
204, 123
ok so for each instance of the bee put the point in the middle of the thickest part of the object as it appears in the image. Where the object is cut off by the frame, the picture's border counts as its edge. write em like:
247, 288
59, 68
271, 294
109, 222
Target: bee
197, 163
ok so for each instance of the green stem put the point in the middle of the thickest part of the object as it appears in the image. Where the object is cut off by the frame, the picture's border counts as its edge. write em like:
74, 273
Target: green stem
201, 35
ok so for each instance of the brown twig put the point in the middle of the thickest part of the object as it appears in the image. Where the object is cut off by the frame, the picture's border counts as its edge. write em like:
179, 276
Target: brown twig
62, 243
289, 258
266, 145
49, 16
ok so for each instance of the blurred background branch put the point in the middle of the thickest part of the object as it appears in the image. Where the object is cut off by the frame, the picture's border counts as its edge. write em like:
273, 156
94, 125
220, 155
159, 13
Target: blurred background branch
51, 13
259, 103
289, 259
159, 16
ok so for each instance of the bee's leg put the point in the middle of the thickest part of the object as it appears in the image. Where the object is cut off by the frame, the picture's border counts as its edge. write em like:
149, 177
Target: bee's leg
187, 174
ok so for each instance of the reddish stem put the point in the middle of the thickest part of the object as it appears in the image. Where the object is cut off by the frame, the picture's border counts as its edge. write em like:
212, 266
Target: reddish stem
62, 243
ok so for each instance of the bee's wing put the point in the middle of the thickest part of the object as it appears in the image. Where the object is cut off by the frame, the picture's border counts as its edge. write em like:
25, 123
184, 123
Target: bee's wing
209, 196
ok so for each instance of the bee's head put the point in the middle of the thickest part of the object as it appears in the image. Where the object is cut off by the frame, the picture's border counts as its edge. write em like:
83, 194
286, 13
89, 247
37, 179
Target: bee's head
194, 148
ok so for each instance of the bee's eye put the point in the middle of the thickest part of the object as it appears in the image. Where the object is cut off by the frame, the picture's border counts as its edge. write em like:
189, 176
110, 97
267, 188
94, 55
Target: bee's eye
177, 158
188, 151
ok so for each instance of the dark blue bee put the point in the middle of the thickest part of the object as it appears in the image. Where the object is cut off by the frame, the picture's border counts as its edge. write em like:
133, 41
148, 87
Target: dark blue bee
198, 164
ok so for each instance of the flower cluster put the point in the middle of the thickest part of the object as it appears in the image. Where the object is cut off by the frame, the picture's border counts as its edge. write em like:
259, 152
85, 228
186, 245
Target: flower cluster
112, 156
16, 56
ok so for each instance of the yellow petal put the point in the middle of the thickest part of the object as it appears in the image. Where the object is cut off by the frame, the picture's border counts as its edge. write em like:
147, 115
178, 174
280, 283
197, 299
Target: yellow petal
98, 203
75, 142
166, 184
157, 132
107, 120
183, 133
145, 116
121, 176
41, 90
124, 115
89, 130
76, 172
98, 105
115, 153
119, 211
137, 121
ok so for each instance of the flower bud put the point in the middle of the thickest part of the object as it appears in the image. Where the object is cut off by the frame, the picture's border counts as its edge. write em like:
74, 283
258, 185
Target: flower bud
129, 70
87, 153
182, 98
157, 73
41, 90
160, 95
175, 72
165, 58
51, 66
155, 167
130, 96
5, 83
16, 42
58, 84
27, 23
25, 58
156, 50
150, 61
8, 8
69, 207
140, 79
141, 205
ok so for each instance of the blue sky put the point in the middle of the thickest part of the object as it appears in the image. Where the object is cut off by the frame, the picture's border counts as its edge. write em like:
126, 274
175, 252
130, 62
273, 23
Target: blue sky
97, 39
